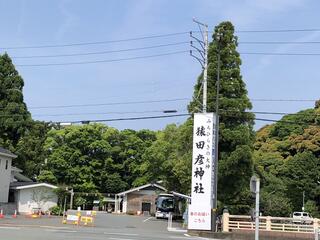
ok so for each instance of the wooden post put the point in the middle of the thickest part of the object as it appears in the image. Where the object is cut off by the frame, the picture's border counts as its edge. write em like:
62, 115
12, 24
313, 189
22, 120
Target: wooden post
225, 222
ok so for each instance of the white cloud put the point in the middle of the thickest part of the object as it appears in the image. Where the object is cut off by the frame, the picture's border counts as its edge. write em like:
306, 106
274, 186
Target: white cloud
247, 12
69, 19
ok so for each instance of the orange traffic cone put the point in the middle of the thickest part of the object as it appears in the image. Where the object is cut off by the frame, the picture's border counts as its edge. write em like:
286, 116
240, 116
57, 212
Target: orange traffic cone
15, 214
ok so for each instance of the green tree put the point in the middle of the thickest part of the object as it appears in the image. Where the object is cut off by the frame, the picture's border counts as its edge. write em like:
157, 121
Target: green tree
236, 133
15, 118
302, 175
47, 177
31, 150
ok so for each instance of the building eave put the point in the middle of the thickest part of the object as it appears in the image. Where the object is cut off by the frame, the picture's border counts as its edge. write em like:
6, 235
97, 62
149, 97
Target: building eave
142, 187
34, 186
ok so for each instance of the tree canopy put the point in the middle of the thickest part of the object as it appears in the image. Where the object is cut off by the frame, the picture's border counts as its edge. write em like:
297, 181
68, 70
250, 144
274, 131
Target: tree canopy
236, 125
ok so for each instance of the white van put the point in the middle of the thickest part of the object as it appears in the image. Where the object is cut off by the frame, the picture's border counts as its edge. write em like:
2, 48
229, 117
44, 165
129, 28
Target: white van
302, 218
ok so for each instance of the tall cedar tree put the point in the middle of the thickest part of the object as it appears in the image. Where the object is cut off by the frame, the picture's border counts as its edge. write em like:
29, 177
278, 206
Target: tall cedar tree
236, 125
15, 116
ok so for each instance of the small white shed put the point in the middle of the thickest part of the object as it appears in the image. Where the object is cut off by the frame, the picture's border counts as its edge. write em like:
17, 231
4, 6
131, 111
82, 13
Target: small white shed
32, 195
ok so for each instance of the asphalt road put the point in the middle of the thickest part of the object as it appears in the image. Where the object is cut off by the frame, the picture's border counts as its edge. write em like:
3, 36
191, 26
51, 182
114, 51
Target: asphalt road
107, 226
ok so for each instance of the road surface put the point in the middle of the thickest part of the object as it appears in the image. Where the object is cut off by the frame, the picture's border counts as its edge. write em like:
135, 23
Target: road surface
107, 227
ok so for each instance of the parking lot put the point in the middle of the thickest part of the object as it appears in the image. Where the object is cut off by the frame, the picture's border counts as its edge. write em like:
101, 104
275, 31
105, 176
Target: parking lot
106, 226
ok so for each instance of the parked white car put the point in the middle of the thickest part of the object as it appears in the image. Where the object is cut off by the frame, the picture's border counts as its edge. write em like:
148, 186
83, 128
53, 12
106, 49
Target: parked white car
302, 218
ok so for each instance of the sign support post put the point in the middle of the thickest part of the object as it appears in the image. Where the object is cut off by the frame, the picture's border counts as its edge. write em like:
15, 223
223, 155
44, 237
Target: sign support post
255, 188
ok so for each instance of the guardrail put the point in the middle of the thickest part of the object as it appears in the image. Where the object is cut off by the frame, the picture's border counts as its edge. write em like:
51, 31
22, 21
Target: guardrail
277, 224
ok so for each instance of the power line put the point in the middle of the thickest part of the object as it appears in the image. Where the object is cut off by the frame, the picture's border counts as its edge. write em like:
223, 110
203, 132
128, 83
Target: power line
282, 100
277, 42
287, 122
160, 101
280, 54
112, 103
129, 119
150, 37
101, 52
181, 115
161, 111
178, 115
100, 61
280, 30
96, 113
97, 42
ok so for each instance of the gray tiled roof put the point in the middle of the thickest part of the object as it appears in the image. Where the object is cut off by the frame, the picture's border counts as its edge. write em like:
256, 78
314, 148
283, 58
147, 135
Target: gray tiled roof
3, 150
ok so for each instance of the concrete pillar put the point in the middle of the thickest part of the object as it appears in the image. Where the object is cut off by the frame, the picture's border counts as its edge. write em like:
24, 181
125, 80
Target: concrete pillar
116, 206
315, 225
268, 223
225, 222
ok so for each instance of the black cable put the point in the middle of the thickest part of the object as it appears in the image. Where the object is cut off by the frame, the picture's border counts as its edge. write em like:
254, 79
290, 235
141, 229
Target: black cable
99, 61
100, 52
282, 100
111, 103
277, 42
280, 30
98, 42
157, 101
280, 54
98, 113
153, 36
130, 118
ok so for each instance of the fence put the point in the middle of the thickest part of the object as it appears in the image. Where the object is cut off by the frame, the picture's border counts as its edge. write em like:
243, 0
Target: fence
276, 224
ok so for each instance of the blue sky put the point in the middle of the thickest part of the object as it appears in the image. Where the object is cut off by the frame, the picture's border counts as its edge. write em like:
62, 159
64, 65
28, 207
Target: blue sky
38, 22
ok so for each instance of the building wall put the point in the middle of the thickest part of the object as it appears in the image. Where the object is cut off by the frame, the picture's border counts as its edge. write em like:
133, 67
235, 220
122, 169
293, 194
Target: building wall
135, 200
5, 174
125, 204
8, 208
26, 199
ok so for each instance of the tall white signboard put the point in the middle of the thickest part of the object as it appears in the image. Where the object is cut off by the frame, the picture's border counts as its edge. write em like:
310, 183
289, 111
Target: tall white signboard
202, 172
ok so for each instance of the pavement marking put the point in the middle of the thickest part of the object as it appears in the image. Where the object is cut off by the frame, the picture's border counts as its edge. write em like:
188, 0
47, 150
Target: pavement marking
60, 230
120, 238
123, 234
54, 227
147, 219
17, 228
177, 237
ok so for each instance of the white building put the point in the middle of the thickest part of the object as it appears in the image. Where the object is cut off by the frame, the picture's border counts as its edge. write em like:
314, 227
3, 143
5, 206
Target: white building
18, 192
5, 173
30, 196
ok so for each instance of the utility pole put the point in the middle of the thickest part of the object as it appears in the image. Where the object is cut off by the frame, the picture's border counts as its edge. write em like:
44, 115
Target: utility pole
203, 59
204, 63
71, 198
205, 71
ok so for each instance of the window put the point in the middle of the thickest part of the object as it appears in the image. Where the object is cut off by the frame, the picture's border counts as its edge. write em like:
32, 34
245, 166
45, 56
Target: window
7, 162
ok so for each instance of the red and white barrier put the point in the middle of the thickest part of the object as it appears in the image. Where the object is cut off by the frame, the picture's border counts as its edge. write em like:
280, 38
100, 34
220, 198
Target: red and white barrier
15, 214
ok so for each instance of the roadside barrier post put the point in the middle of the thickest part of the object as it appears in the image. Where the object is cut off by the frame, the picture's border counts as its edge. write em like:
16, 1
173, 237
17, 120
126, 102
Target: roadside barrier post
316, 228
225, 222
